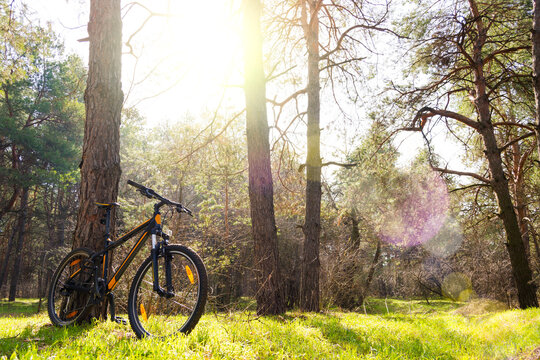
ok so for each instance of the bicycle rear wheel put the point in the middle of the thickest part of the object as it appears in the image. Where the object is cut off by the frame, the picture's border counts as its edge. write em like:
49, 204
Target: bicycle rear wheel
68, 298
153, 315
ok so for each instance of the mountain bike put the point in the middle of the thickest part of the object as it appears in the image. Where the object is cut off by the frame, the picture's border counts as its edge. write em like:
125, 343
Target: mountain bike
167, 295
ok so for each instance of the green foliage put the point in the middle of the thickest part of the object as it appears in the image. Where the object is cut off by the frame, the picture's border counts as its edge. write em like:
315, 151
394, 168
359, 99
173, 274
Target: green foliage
41, 105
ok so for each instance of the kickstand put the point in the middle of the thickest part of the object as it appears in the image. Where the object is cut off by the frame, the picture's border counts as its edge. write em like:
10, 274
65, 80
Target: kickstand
112, 310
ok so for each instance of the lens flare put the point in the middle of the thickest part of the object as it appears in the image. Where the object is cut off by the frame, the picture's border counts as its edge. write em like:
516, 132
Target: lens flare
447, 241
457, 286
419, 214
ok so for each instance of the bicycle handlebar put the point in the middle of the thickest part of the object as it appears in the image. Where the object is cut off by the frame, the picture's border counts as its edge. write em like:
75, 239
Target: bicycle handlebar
151, 194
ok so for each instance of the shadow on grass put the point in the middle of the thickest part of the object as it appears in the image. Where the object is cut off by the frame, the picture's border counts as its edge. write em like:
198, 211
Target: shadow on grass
21, 307
41, 336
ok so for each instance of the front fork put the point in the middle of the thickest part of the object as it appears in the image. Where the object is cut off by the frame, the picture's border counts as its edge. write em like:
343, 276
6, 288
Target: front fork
160, 248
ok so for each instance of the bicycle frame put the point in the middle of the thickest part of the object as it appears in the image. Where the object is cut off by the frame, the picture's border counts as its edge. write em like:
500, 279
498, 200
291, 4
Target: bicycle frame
151, 227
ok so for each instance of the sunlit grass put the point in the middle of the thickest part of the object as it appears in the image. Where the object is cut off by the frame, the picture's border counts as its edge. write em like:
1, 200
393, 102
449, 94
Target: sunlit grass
408, 330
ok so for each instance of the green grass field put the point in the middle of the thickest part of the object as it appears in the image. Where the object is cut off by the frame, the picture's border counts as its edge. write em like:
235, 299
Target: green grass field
392, 329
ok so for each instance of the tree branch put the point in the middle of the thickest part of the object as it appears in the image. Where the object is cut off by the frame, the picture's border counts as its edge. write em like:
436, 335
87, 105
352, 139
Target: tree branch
289, 98
516, 140
427, 112
346, 165
462, 173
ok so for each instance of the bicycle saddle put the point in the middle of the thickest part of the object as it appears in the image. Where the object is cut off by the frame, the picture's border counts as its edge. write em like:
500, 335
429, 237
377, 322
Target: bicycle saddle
109, 205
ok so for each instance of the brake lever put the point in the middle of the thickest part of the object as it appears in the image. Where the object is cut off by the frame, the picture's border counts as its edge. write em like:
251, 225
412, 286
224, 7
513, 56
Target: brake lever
181, 209
146, 192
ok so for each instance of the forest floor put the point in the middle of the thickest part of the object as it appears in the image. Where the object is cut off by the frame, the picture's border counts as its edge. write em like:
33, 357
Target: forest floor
384, 329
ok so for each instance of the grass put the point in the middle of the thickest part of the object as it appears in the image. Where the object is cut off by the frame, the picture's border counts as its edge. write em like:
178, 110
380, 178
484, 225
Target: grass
407, 330
20, 307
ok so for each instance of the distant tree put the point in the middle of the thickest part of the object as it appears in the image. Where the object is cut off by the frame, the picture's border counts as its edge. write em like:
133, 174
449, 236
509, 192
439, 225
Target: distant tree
331, 34
40, 127
536, 67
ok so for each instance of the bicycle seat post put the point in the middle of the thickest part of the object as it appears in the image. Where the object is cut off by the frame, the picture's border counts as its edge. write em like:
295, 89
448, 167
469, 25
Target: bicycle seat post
107, 225
107, 240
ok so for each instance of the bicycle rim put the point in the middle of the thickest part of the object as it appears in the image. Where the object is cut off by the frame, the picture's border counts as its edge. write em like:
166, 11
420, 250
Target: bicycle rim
67, 302
160, 316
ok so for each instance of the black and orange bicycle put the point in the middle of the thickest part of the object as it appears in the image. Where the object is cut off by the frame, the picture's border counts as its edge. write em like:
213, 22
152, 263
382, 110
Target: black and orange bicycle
167, 295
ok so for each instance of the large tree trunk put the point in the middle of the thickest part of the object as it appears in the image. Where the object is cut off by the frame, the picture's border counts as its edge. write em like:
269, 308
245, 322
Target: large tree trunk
23, 214
536, 66
261, 192
100, 167
309, 286
516, 249
514, 243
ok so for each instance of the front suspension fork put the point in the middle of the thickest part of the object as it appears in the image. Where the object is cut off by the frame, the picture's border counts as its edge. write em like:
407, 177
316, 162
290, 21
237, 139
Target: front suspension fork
159, 248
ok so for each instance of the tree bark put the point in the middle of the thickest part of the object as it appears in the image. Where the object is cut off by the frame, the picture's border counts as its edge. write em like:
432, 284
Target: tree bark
261, 192
309, 286
355, 231
10, 202
520, 266
5, 261
15, 272
536, 67
100, 166
520, 196
371, 272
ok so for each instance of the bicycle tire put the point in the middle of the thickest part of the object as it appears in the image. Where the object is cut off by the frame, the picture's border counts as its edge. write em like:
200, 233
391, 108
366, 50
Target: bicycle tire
65, 306
158, 316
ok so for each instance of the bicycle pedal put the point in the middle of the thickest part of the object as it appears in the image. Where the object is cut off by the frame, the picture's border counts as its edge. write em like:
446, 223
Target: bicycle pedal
120, 320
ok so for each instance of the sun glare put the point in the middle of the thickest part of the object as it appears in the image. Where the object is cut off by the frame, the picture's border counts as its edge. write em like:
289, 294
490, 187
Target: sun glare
193, 53
205, 35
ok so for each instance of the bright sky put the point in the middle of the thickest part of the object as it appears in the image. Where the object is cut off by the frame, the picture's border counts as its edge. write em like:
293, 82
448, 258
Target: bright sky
180, 61
184, 62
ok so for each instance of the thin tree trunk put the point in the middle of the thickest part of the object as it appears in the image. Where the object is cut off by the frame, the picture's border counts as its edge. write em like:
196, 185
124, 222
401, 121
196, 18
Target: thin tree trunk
520, 197
261, 191
371, 272
536, 67
355, 231
40, 285
15, 272
535, 242
5, 261
10, 202
60, 219
309, 287
226, 209
100, 166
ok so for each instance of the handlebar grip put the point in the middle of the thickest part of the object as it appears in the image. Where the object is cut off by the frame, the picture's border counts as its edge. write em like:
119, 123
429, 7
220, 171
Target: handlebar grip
138, 186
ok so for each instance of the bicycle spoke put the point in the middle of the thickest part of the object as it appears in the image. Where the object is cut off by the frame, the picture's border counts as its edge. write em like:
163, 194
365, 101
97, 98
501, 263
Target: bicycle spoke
168, 314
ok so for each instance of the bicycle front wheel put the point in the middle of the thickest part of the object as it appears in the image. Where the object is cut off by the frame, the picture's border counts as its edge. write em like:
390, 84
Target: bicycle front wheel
151, 314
